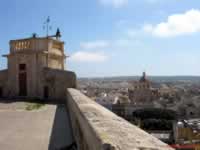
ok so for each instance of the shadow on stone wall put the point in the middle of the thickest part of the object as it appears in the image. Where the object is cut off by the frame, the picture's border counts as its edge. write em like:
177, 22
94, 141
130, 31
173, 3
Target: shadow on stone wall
61, 134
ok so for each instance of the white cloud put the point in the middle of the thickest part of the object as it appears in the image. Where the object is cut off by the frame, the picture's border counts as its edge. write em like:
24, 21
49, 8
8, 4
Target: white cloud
83, 56
177, 24
114, 3
94, 45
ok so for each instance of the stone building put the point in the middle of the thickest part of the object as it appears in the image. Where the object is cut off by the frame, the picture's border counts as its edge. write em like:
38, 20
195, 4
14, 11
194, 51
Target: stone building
142, 92
36, 69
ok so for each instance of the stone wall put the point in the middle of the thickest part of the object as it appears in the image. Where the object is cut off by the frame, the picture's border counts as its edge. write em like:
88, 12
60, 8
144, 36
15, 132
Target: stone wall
58, 81
96, 128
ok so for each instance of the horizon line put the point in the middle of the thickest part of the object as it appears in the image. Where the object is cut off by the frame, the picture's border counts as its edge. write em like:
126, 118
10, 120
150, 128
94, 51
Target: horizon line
114, 76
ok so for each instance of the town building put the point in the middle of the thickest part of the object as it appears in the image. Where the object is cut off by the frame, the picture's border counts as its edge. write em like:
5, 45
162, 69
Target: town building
36, 69
142, 92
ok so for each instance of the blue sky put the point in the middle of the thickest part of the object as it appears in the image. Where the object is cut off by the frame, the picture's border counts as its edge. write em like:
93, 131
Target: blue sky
112, 37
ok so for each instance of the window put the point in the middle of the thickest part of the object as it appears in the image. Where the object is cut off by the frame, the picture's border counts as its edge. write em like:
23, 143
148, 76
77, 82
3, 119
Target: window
22, 67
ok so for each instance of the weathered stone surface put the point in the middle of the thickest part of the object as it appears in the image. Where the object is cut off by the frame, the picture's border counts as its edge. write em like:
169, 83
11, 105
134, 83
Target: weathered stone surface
96, 128
44, 129
58, 81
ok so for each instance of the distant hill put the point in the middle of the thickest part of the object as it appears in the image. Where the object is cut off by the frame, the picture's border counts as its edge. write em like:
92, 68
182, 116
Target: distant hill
151, 78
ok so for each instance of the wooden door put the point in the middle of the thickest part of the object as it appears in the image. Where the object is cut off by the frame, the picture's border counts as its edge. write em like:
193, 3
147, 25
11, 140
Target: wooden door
22, 84
1, 91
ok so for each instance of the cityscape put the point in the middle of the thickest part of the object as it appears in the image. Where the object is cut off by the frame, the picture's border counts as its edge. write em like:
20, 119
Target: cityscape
171, 104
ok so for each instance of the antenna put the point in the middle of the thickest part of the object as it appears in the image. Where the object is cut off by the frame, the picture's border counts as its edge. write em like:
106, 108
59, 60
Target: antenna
46, 26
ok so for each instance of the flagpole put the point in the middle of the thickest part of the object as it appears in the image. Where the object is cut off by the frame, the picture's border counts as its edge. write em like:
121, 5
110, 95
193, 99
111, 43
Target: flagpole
47, 26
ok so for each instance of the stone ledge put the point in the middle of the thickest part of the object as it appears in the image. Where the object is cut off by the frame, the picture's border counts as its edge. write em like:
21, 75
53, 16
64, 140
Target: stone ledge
96, 128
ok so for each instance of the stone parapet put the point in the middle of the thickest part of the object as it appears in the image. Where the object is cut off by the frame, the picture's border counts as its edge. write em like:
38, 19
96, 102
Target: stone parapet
96, 128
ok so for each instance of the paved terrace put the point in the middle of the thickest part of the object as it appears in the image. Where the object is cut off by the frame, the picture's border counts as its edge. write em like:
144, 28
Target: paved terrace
43, 129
